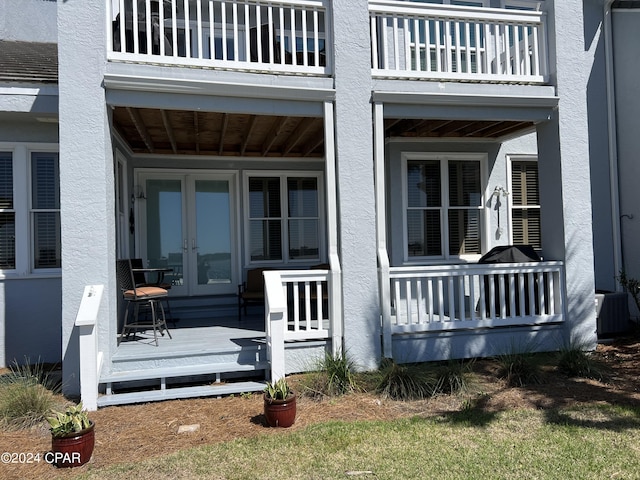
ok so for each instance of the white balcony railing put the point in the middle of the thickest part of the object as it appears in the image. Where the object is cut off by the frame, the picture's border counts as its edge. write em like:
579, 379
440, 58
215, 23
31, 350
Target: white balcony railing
452, 297
448, 42
280, 36
298, 307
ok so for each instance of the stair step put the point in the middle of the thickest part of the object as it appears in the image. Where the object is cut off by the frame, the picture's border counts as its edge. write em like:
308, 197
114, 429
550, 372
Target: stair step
180, 392
181, 371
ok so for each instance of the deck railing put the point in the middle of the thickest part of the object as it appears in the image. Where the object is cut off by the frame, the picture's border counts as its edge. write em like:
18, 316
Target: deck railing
297, 308
283, 36
448, 42
453, 297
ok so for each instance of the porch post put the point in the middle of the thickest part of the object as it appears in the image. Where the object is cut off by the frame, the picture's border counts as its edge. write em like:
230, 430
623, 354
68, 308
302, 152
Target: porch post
335, 296
381, 228
87, 190
355, 182
563, 162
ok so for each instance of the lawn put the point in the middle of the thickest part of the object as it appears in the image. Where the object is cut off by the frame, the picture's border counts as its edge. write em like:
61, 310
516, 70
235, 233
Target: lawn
593, 442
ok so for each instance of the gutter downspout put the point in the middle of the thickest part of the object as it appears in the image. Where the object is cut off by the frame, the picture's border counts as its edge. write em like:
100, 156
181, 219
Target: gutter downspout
618, 259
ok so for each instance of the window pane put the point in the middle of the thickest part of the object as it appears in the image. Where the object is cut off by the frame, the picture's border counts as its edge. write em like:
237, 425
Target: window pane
424, 231
7, 240
6, 180
464, 184
464, 232
265, 240
423, 183
46, 239
264, 197
303, 197
303, 239
45, 189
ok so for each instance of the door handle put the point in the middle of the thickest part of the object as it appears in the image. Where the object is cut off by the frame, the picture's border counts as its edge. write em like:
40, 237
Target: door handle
185, 245
194, 247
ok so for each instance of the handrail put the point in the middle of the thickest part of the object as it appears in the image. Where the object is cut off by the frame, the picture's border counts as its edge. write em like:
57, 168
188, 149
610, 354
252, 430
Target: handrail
90, 357
427, 41
471, 296
284, 36
296, 309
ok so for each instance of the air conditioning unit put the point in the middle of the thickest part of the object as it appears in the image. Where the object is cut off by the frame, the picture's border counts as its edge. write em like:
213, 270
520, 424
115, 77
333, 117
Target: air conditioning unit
612, 313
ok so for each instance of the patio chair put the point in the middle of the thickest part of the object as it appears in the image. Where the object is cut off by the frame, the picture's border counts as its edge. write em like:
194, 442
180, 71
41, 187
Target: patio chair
251, 291
140, 279
136, 296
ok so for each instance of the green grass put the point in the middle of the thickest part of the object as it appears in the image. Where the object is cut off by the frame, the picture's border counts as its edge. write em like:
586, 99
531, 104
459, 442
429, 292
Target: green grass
587, 443
332, 376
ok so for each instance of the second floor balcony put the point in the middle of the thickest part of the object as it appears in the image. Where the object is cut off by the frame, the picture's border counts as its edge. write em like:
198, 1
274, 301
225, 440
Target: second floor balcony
409, 40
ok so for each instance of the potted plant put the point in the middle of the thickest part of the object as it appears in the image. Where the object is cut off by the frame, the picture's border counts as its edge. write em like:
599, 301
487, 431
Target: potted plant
279, 404
72, 436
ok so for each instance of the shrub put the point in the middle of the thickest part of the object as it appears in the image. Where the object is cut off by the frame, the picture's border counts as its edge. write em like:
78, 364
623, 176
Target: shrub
519, 369
575, 361
453, 377
27, 395
404, 382
332, 376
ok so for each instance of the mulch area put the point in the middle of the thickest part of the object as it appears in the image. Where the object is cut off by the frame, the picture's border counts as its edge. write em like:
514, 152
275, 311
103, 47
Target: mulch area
148, 430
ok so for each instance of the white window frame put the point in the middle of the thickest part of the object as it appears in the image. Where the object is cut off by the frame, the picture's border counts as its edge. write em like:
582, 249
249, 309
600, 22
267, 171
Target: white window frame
284, 217
510, 206
22, 206
444, 159
533, 5
123, 205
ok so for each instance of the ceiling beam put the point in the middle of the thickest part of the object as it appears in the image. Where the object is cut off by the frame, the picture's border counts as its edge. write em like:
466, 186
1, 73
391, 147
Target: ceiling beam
196, 131
273, 134
169, 129
304, 125
314, 143
247, 136
136, 118
223, 132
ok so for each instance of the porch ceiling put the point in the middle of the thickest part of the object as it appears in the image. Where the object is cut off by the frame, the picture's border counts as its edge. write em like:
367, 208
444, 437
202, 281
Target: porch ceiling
213, 133
434, 128
181, 132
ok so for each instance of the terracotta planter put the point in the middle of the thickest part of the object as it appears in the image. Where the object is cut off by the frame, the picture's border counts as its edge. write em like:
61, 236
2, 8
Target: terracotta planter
280, 413
74, 449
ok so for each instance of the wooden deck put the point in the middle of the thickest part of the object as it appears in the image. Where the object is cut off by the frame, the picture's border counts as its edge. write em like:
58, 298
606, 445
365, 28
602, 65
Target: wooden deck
206, 356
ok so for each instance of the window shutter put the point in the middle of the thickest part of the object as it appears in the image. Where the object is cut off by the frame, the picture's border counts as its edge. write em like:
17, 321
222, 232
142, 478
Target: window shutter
525, 215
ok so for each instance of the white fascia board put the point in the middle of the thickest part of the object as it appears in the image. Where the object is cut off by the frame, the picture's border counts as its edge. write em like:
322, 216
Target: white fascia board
29, 99
311, 91
471, 100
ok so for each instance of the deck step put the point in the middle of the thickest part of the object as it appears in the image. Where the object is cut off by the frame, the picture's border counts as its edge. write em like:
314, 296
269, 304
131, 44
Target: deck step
181, 371
214, 390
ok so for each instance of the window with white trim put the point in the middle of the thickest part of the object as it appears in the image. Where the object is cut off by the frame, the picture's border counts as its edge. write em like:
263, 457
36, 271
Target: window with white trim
443, 206
525, 203
29, 210
7, 213
284, 218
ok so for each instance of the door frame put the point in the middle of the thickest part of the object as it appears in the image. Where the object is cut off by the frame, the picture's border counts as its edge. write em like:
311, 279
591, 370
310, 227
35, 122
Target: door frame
140, 176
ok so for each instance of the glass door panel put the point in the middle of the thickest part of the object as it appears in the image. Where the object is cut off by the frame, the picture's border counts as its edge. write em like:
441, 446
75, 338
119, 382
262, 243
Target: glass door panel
164, 228
212, 236
187, 224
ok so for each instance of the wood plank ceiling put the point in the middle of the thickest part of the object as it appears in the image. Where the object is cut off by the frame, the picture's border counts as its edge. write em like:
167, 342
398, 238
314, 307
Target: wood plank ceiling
180, 132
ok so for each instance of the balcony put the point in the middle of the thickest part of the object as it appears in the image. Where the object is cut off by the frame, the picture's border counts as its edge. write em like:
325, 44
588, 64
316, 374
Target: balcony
284, 37
457, 43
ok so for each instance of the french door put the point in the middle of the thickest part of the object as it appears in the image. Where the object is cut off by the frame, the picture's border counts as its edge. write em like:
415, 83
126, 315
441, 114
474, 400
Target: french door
187, 223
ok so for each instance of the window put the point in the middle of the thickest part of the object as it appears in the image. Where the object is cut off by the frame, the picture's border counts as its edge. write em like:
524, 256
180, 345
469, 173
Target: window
45, 210
284, 218
7, 213
443, 206
29, 210
525, 204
